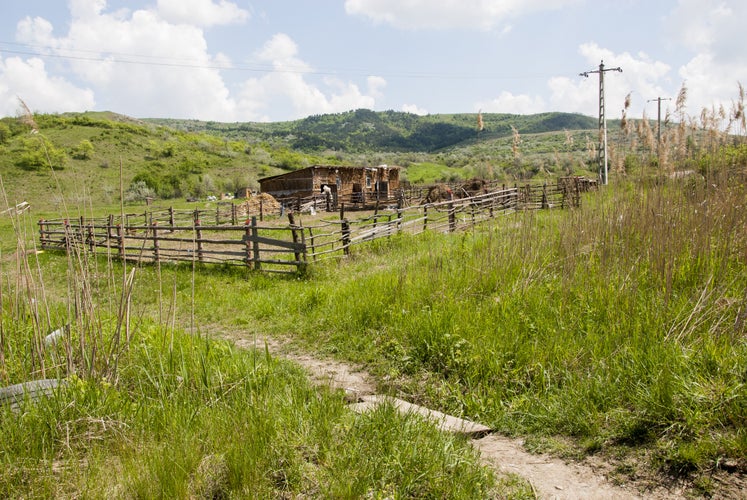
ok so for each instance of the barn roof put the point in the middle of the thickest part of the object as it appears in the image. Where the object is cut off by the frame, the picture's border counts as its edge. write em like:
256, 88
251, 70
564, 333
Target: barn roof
339, 167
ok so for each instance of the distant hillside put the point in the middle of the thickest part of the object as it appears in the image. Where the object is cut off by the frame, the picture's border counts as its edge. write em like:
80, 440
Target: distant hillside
177, 159
388, 131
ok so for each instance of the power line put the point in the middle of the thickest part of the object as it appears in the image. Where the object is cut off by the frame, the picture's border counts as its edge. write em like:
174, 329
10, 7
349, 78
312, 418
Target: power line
174, 62
602, 151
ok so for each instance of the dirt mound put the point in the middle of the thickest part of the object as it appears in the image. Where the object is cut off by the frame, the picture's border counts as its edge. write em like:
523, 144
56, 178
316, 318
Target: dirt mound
254, 203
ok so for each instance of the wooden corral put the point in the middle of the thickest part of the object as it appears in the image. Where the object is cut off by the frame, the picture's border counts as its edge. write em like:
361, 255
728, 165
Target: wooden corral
341, 184
220, 236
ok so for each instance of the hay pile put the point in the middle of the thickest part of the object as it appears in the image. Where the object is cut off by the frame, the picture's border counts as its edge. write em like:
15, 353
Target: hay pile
475, 186
439, 192
252, 205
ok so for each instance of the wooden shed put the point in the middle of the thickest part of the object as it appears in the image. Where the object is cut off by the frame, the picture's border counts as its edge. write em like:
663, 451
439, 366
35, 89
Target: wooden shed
348, 184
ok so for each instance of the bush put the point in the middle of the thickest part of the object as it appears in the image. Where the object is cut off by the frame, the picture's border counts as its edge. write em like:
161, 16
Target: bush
36, 154
138, 191
83, 150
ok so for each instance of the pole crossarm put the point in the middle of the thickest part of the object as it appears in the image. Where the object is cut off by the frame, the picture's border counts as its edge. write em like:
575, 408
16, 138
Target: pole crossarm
658, 125
602, 151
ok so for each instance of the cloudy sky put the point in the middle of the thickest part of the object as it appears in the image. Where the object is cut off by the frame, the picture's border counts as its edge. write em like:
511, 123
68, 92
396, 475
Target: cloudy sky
276, 60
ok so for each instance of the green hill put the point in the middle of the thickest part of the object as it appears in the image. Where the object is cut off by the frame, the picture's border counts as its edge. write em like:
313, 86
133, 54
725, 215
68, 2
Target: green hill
363, 130
176, 159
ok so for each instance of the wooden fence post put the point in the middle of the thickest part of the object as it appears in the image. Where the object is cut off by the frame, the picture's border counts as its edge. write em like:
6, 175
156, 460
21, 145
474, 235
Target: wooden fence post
311, 237
300, 264
171, 218
261, 210
425, 217
247, 243
255, 244
346, 236
452, 217
120, 242
198, 239
66, 232
154, 228
90, 238
42, 238
234, 215
109, 225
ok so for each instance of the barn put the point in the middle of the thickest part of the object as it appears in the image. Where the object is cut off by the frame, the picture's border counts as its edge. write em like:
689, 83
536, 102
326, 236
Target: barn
347, 184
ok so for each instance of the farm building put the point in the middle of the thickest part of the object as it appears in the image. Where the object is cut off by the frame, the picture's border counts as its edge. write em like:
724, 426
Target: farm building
349, 184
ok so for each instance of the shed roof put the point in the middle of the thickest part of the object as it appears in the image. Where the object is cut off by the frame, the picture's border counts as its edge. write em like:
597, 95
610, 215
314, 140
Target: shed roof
339, 167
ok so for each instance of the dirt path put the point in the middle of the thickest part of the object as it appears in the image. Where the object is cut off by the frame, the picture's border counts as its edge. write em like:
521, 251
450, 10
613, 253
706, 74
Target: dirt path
550, 478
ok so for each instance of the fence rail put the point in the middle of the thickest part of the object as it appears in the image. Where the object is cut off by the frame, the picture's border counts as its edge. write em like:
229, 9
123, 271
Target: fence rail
215, 237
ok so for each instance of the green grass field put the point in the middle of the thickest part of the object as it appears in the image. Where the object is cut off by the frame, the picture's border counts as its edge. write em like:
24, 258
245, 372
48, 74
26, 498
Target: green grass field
617, 329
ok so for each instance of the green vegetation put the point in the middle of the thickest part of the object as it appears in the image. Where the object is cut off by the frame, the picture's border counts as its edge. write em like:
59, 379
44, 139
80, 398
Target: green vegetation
617, 329
188, 417
363, 130
177, 159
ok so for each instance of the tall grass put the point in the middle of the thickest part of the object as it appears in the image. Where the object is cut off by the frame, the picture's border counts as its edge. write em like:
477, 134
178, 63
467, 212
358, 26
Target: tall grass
148, 410
191, 417
618, 324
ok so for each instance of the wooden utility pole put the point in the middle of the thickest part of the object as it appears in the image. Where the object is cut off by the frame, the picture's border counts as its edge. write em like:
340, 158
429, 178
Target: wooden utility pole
602, 151
658, 126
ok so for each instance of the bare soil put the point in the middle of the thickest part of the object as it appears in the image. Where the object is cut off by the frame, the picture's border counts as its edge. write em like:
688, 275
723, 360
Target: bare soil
550, 477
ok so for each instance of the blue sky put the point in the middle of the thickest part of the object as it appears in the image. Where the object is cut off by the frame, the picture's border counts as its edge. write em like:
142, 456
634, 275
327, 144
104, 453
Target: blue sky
246, 60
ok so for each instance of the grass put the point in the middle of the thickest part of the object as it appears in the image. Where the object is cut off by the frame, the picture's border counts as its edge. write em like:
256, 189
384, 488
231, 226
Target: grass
617, 325
616, 329
186, 416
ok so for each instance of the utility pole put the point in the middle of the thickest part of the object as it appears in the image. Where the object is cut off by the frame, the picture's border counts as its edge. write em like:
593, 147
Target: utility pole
658, 126
602, 151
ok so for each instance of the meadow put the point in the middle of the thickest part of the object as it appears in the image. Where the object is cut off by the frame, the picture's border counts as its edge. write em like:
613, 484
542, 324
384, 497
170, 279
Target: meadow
618, 329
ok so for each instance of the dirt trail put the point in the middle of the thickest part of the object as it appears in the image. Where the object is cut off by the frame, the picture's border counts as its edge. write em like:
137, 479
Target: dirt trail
550, 478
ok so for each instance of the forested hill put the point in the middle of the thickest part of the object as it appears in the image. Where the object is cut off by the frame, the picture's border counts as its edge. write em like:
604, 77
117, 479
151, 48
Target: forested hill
364, 130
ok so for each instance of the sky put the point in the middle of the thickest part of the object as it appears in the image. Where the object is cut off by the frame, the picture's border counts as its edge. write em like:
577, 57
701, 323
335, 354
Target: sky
279, 60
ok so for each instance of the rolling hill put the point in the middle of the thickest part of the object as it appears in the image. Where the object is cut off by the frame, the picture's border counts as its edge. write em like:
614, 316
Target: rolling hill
173, 159
363, 130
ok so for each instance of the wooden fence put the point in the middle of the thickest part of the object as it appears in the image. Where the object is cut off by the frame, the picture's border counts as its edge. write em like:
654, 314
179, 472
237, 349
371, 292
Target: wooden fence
564, 193
217, 237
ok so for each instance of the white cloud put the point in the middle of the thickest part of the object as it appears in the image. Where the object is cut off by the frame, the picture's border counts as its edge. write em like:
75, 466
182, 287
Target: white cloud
35, 30
643, 77
288, 85
414, 109
155, 62
444, 14
202, 12
376, 85
86, 9
507, 102
713, 31
108, 52
29, 80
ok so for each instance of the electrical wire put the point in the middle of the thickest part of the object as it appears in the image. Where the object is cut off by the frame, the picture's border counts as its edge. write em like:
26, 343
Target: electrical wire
173, 62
